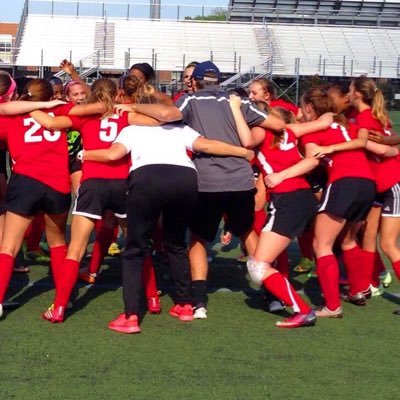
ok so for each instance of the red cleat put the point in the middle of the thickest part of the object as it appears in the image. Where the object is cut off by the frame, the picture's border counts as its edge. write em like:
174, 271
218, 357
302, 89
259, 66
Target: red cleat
54, 314
154, 305
183, 312
125, 325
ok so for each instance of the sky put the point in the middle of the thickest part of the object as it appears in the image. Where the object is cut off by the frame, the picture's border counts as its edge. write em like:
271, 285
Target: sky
10, 10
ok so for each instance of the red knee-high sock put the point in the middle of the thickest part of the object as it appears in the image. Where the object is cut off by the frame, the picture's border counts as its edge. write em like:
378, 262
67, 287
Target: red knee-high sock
260, 217
149, 278
283, 290
57, 258
282, 264
378, 268
66, 282
368, 258
305, 242
352, 260
396, 268
6, 269
35, 232
104, 237
328, 276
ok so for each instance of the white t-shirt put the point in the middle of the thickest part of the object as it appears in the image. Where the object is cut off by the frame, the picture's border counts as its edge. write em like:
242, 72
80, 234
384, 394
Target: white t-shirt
166, 144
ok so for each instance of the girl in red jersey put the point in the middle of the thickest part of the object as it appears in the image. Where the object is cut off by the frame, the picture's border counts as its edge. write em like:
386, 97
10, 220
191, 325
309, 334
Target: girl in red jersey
39, 182
263, 90
372, 116
345, 203
283, 169
103, 186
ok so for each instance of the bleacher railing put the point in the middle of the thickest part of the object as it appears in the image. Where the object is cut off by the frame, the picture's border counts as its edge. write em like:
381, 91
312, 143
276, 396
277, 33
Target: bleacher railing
179, 12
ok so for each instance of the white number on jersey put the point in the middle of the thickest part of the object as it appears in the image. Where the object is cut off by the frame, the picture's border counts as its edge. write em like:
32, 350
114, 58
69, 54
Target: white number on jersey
109, 129
284, 145
32, 135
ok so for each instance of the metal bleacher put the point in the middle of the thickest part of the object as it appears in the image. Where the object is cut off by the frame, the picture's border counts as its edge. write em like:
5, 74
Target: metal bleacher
334, 12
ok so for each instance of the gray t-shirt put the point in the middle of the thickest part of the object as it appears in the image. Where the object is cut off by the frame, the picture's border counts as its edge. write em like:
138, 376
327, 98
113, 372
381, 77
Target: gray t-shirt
208, 112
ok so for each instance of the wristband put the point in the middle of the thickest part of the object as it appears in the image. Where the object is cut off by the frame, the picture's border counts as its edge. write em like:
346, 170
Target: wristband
79, 156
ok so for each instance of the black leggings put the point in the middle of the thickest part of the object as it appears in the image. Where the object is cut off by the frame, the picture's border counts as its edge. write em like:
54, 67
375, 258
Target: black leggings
169, 190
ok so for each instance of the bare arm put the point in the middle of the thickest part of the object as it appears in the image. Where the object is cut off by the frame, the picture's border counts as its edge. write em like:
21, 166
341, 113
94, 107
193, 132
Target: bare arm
50, 122
22, 107
302, 167
274, 123
88, 109
320, 124
215, 147
113, 153
143, 120
160, 112
383, 139
358, 143
246, 136
382, 149
70, 69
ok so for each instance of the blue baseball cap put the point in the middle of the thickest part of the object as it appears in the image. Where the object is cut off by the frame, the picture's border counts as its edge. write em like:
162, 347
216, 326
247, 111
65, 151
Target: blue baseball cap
207, 71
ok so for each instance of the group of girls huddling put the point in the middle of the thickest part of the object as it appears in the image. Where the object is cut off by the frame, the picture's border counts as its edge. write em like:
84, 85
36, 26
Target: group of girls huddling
81, 142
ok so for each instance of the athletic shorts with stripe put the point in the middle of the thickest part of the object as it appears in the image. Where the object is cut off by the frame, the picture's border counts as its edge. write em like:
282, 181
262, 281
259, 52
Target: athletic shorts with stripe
289, 214
349, 198
390, 201
97, 195
27, 196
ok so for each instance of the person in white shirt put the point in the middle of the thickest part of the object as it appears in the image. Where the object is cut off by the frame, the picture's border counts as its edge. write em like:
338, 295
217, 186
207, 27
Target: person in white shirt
163, 180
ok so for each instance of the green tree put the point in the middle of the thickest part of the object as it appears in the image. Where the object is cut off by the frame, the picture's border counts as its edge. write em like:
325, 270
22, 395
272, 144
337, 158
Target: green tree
216, 14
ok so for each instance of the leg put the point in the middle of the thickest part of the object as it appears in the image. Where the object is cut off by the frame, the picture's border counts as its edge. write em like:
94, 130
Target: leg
389, 234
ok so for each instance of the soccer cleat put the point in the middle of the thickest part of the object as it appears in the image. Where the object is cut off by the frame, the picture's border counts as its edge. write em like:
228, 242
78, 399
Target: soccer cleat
325, 312
304, 265
183, 312
154, 305
86, 276
298, 320
273, 304
37, 256
396, 312
1, 310
54, 314
114, 250
386, 278
376, 291
367, 293
358, 299
200, 313
125, 324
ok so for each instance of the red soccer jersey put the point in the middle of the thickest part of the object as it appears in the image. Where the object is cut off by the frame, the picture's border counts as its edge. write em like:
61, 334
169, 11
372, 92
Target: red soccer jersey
284, 104
273, 158
385, 169
341, 164
37, 152
99, 133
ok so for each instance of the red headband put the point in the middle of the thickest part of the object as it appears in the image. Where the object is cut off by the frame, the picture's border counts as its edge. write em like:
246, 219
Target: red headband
10, 91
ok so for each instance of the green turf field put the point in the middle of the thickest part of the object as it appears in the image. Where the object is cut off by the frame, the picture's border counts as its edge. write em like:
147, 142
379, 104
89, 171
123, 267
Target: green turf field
236, 354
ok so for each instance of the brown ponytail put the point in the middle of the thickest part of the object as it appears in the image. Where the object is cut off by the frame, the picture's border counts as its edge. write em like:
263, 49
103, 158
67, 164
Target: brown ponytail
103, 90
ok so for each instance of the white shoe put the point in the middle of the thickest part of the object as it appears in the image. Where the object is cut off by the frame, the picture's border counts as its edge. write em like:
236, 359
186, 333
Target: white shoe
200, 313
385, 278
376, 291
1, 310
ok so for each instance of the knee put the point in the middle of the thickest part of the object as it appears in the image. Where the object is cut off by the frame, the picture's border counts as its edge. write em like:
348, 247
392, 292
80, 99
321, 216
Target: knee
387, 245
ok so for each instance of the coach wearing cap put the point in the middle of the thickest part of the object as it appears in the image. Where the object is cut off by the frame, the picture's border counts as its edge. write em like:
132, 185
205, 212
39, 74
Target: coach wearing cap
225, 184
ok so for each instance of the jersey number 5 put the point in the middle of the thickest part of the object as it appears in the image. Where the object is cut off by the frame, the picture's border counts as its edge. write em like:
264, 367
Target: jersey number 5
32, 135
109, 129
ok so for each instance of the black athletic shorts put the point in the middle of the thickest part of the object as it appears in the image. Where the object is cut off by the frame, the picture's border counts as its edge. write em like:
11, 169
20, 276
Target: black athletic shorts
97, 195
317, 178
289, 214
390, 201
238, 208
349, 198
27, 196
